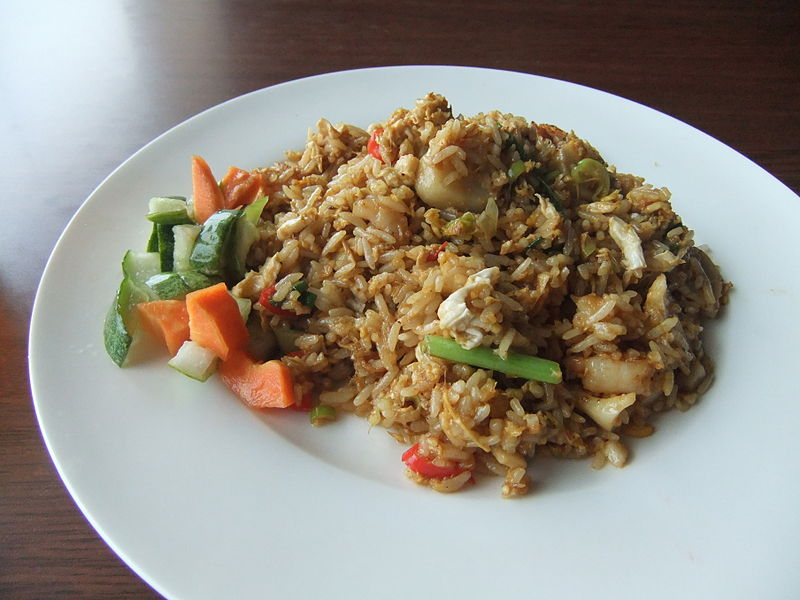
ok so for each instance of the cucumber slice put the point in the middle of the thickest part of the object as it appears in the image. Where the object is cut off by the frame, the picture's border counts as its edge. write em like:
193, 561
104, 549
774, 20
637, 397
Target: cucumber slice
253, 211
196, 280
168, 210
152, 243
120, 324
185, 236
174, 286
245, 306
166, 245
245, 234
194, 361
140, 266
168, 286
211, 248
116, 338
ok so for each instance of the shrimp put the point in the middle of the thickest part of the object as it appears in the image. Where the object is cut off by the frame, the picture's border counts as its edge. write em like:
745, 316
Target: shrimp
605, 375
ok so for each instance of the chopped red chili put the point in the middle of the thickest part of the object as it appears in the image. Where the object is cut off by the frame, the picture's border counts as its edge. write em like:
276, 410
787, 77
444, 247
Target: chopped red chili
372, 145
434, 254
265, 300
425, 467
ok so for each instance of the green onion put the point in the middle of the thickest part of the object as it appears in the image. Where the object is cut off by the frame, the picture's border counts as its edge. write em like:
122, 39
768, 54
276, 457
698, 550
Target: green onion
592, 177
306, 298
513, 143
534, 243
550, 176
462, 227
553, 195
516, 365
516, 169
321, 414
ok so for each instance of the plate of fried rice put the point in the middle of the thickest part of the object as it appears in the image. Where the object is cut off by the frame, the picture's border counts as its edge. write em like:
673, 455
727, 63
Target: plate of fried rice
544, 334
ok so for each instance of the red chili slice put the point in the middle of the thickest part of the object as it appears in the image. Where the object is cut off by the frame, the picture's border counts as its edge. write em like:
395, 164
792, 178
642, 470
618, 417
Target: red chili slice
372, 145
423, 466
434, 254
265, 300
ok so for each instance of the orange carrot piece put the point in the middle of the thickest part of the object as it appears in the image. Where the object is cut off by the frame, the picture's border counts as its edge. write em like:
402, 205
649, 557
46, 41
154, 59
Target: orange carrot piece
167, 321
215, 321
207, 195
240, 187
259, 385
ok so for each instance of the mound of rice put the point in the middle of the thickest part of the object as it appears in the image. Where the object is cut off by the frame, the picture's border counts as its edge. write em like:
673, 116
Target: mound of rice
549, 252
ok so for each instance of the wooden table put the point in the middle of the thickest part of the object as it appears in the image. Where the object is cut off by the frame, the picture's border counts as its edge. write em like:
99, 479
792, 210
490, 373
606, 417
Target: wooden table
85, 84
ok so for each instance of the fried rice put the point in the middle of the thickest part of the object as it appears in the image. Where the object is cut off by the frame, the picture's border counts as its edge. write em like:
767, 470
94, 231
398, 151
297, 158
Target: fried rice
495, 232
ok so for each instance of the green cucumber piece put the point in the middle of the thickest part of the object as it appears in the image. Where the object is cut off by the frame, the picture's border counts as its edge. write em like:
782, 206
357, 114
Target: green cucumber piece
140, 266
245, 234
211, 247
195, 280
245, 306
185, 236
174, 286
116, 338
152, 242
168, 210
253, 211
166, 245
194, 361
168, 286
119, 324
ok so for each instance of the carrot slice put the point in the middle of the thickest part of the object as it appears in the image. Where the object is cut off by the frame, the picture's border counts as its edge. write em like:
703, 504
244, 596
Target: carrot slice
240, 187
259, 385
167, 321
215, 321
207, 195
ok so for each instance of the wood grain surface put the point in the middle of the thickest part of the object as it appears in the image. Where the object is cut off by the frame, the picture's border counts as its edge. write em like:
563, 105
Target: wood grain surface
84, 84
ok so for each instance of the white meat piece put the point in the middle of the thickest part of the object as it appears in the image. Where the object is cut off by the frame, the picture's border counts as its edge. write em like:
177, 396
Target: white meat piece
628, 241
605, 375
606, 412
456, 316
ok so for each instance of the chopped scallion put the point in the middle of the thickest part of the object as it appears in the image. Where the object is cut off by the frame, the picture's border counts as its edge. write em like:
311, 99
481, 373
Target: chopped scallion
591, 178
321, 414
516, 169
462, 227
553, 196
534, 244
306, 298
513, 143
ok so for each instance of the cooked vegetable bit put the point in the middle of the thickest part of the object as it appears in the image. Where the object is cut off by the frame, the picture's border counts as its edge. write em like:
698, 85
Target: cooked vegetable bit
515, 365
421, 465
321, 414
592, 180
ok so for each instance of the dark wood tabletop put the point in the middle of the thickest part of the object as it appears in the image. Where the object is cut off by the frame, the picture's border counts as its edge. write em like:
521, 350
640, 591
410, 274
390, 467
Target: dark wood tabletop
85, 84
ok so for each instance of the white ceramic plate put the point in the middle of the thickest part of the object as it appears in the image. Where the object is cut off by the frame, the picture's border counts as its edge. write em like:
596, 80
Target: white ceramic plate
206, 499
